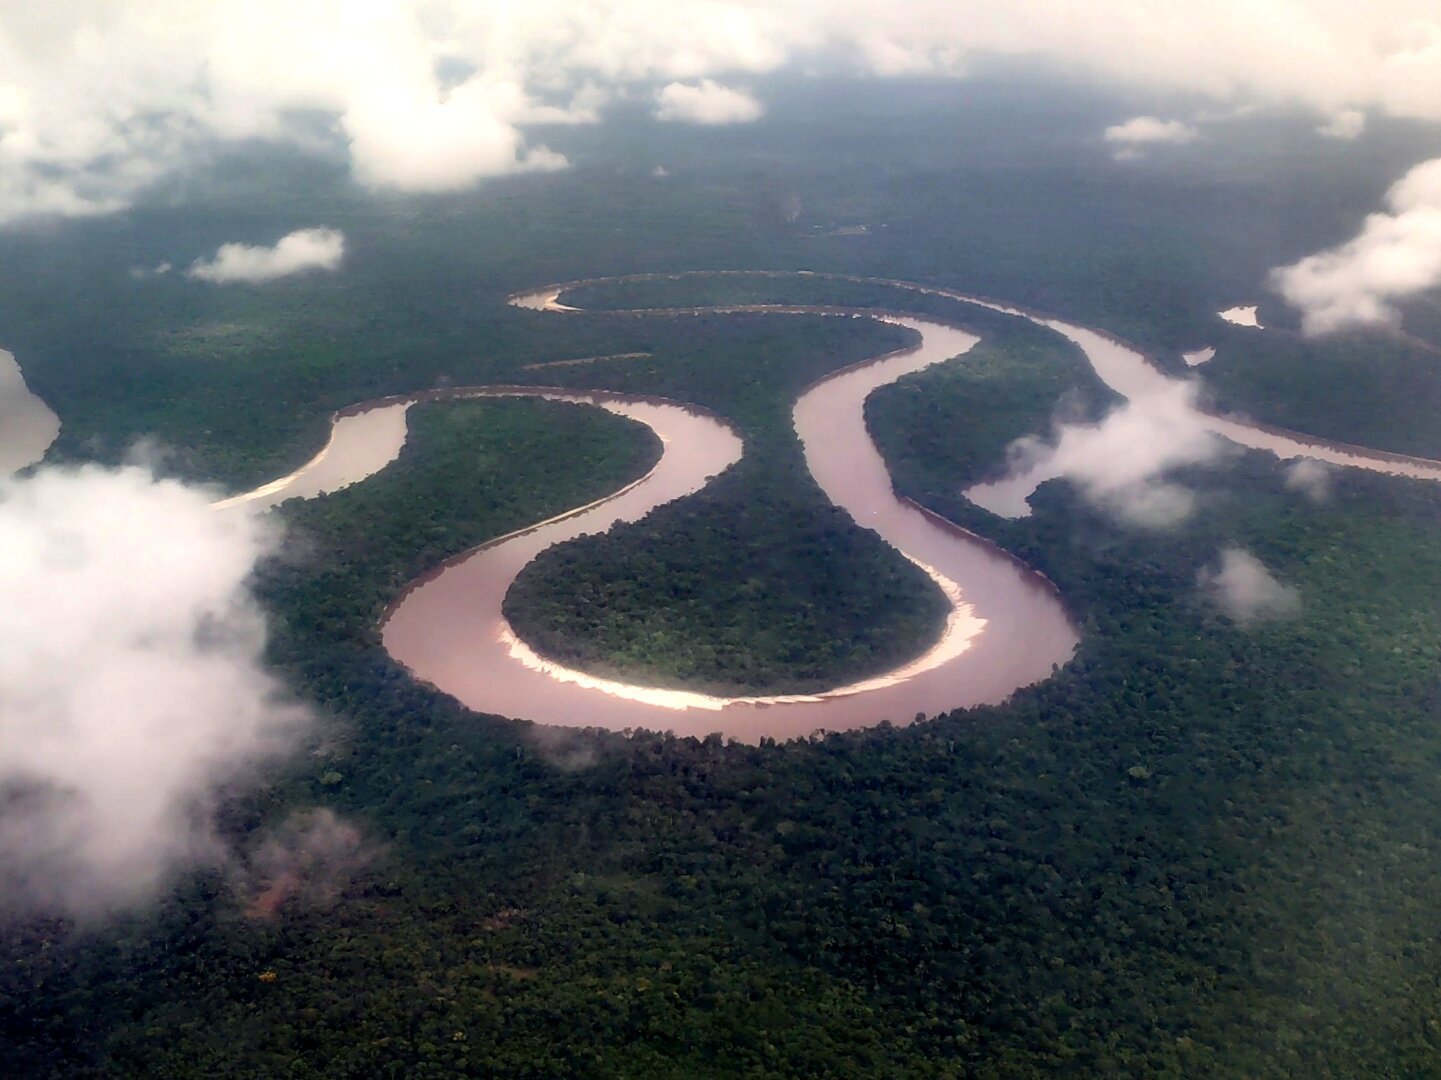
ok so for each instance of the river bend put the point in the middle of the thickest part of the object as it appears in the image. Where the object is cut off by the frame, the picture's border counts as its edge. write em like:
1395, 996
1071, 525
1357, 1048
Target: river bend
1007, 627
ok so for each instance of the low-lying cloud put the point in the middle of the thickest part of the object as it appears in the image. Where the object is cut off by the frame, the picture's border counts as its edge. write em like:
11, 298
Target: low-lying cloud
299, 252
131, 683
1121, 464
1345, 125
1396, 255
706, 102
309, 861
1137, 133
417, 142
1242, 587
1310, 477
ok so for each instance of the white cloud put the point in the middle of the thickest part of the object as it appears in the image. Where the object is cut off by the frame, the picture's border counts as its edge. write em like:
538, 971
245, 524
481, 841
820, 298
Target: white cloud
1132, 137
1121, 463
1310, 477
296, 253
1346, 124
1142, 130
1246, 591
99, 98
309, 861
1242, 315
131, 682
140, 273
413, 142
706, 102
1395, 255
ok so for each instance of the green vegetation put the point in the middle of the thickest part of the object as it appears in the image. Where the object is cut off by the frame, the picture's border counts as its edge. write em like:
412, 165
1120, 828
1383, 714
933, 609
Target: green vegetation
757, 584
470, 470
1374, 390
1157, 862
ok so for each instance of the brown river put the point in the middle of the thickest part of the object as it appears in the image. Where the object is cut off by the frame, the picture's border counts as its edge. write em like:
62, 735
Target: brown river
27, 426
1007, 626
1006, 629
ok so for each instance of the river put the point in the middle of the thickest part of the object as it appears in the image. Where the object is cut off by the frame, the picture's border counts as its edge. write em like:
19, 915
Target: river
27, 425
1007, 627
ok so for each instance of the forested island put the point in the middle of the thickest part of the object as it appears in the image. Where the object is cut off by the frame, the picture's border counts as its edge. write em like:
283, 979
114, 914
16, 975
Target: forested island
757, 584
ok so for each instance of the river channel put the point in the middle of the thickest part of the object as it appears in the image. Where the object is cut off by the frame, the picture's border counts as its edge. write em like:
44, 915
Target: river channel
27, 425
1006, 629
1007, 626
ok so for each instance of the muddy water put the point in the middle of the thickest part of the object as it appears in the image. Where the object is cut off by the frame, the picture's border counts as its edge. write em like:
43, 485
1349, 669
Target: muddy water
1006, 629
1130, 374
27, 426
361, 444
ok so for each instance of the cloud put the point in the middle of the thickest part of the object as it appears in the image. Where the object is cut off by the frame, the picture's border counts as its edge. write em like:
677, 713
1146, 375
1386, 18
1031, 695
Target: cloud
1120, 464
1346, 124
1143, 130
413, 142
100, 98
1246, 591
1131, 138
297, 253
1395, 255
310, 860
131, 683
566, 749
1310, 477
140, 273
706, 102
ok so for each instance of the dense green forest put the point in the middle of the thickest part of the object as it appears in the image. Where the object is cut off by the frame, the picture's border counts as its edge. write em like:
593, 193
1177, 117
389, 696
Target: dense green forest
1371, 390
1156, 862
470, 471
757, 584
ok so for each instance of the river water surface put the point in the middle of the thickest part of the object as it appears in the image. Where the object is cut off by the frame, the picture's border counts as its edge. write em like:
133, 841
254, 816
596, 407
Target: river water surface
27, 426
1007, 627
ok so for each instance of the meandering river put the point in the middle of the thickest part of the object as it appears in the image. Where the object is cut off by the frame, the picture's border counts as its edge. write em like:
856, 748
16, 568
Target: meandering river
1007, 626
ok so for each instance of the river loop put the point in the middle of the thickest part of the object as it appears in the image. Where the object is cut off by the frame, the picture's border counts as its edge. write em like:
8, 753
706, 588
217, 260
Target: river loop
1007, 626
